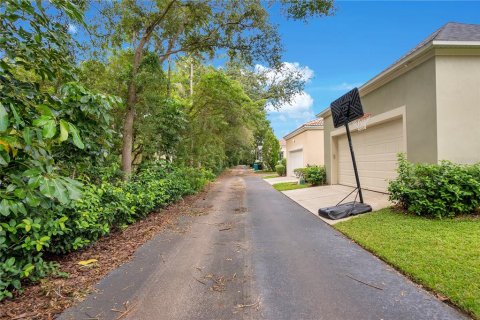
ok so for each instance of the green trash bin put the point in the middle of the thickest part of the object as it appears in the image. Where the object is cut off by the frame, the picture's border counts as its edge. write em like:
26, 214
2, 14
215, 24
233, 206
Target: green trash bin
255, 167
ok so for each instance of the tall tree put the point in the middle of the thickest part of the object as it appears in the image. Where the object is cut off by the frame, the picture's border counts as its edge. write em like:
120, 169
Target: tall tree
270, 149
196, 27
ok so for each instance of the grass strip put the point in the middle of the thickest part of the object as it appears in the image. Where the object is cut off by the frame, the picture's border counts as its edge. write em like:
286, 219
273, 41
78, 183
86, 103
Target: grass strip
285, 186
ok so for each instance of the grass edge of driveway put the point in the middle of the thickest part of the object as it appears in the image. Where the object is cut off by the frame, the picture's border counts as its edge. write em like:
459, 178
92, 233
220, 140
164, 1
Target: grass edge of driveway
285, 186
445, 260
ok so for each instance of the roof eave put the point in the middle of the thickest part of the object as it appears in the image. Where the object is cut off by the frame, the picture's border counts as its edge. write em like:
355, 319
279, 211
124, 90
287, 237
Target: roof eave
456, 43
324, 113
417, 54
400, 64
297, 131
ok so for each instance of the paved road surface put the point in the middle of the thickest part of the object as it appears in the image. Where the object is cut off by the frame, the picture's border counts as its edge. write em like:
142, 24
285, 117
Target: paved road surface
256, 255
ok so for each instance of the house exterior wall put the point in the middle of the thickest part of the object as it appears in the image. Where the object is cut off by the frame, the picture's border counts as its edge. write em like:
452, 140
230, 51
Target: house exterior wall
327, 143
311, 141
458, 107
415, 91
314, 153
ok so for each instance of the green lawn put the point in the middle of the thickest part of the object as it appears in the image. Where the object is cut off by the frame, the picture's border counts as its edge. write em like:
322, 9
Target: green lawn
264, 171
284, 186
271, 176
443, 255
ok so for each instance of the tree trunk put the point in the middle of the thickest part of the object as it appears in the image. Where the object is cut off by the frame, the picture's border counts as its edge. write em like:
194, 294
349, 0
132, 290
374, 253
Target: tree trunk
127, 146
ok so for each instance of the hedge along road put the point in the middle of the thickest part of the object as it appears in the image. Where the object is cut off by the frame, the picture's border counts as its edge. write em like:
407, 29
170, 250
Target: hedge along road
251, 253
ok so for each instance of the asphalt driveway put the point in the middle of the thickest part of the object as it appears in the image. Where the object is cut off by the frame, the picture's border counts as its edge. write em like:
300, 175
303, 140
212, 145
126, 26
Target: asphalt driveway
256, 255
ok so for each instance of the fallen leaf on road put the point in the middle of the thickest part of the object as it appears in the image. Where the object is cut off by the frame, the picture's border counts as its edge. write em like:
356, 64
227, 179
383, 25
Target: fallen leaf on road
87, 262
441, 297
200, 281
365, 283
255, 304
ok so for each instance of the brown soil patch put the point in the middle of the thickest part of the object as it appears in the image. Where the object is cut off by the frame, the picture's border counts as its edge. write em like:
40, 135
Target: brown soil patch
52, 295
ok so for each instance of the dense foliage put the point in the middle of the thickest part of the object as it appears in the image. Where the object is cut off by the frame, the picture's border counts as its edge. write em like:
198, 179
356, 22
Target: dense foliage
314, 175
42, 112
110, 205
436, 190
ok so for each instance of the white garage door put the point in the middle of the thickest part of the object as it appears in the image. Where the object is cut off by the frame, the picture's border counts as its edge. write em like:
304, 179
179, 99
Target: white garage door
294, 161
376, 150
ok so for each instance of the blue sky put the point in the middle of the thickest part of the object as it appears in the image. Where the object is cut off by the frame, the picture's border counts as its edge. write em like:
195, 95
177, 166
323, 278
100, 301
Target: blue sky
354, 45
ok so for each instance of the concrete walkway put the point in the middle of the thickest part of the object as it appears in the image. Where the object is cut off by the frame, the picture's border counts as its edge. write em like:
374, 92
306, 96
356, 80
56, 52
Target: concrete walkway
256, 255
326, 196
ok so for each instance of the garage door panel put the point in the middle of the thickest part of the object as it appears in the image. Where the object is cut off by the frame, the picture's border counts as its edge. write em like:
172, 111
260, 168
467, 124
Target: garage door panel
294, 161
373, 158
370, 174
376, 152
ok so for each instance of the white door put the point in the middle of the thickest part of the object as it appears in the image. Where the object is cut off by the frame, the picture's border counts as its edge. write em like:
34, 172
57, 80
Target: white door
294, 161
376, 150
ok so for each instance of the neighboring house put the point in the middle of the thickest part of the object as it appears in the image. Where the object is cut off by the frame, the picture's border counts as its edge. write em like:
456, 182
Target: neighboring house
427, 104
283, 149
304, 146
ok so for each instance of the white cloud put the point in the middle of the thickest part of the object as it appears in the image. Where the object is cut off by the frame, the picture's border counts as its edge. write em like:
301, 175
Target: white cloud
288, 69
72, 29
300, 109
300, 102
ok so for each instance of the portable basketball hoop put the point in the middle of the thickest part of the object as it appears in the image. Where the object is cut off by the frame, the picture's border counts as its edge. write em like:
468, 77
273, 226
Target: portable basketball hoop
346, 109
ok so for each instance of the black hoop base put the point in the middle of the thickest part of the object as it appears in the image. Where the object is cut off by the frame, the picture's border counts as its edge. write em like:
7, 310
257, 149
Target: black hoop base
344, 210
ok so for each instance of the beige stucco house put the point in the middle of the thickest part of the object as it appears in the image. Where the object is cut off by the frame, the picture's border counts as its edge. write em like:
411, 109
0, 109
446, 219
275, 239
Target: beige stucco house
427, 105
304, 146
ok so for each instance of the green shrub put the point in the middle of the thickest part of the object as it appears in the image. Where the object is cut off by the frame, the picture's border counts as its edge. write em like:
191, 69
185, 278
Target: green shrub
280, 169
68, 227
314, 175
436, 190
299, 173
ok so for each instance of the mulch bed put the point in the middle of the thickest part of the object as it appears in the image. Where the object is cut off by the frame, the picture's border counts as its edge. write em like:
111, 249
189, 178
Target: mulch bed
52, 295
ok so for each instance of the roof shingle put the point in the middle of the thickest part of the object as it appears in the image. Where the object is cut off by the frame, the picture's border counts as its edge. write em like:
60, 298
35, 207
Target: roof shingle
454, 31
451, 31
313, 123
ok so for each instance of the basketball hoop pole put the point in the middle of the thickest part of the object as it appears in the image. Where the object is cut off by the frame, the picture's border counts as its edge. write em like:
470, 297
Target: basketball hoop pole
354, 162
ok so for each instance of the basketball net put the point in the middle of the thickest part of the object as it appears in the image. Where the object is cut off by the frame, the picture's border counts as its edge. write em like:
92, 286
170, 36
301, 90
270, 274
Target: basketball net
362, 122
